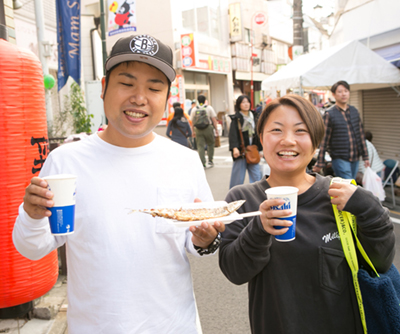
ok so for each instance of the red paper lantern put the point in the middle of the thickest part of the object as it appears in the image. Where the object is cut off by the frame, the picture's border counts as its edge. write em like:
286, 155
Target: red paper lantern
24, 147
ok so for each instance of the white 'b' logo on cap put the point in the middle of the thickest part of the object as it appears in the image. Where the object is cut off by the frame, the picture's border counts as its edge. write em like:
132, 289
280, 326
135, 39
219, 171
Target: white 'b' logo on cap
144, 44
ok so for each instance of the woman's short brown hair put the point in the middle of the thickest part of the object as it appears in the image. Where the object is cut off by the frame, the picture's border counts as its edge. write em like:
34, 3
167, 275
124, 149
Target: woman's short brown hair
308, 113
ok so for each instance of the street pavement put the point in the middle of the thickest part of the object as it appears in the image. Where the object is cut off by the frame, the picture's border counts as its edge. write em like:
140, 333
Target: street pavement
222, 305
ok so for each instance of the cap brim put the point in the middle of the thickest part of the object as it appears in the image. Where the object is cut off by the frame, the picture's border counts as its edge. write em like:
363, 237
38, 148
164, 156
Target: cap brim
153, 61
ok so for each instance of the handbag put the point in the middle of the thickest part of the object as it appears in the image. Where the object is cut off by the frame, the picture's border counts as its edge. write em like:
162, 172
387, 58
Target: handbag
378, 295
189, 139
217, 142
250, 152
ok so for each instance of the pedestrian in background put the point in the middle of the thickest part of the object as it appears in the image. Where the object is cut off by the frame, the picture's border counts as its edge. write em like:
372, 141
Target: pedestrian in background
192, 107
179, 129
171, 115
126, 273
344, 136
305, 285
204, 120
248, 122
375, 161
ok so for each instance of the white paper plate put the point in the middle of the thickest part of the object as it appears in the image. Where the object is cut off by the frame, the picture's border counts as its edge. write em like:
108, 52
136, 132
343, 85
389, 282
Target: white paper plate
226, 220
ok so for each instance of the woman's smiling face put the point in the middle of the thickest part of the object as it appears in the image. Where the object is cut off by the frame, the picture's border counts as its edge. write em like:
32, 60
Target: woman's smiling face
286, 141
245, 105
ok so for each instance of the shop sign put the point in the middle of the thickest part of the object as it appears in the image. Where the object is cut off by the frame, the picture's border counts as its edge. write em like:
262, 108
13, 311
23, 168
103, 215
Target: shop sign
215, 64
188, 50
177, 93
121, 16
235, 21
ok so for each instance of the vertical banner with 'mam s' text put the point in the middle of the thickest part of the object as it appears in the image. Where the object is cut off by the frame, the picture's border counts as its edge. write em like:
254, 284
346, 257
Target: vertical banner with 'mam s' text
69, 41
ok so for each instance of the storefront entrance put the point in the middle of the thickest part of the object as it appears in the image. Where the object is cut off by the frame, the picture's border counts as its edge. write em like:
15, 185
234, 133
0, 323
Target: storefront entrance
196, 84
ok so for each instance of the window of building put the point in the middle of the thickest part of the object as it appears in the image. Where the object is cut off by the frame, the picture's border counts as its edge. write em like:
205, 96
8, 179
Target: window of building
189, 19
247, 35
189, 78
196, 84
281, 50
201, 79
204, 20
215, 23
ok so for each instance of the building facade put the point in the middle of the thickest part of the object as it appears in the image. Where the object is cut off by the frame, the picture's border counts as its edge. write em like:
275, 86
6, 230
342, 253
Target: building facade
253, 58
197, 32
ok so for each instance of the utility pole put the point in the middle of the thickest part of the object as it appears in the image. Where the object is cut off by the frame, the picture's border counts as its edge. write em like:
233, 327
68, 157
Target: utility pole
298, 33
297, 22
44, 53
103, 32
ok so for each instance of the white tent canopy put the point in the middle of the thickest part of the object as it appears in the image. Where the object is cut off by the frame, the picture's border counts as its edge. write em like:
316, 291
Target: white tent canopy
352, 61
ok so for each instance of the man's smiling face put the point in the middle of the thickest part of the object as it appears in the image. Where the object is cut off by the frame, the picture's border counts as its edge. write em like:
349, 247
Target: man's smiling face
134, 103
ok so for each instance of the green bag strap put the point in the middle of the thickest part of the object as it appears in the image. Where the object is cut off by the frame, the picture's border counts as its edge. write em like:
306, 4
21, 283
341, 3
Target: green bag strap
352, 221
353, 225
349, 250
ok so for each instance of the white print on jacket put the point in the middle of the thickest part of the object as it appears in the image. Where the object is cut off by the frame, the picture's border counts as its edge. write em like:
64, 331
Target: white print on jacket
330, 236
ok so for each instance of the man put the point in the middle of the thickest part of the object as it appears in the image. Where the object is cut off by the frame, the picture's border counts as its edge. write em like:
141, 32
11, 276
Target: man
344, 135
127, 273
202, 117
192, 107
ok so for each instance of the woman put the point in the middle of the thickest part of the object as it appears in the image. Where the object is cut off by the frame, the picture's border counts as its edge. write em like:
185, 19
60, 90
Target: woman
375, 161
305, 285
179, 129
248, 122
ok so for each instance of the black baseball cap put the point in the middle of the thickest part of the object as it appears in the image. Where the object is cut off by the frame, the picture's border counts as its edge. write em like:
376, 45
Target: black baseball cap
143, 48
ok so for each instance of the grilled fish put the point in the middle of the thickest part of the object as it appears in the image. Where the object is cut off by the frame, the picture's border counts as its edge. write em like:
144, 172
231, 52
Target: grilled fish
194, 213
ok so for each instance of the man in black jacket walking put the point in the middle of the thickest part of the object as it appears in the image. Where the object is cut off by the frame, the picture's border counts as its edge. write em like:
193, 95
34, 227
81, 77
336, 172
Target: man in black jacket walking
344, 135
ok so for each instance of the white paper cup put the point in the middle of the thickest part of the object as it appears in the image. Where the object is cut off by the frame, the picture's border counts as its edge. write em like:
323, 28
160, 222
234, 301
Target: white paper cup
289, 194
62, 219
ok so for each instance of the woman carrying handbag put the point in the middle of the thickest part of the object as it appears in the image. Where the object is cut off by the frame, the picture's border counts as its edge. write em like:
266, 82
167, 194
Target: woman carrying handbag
243, 134
179, 129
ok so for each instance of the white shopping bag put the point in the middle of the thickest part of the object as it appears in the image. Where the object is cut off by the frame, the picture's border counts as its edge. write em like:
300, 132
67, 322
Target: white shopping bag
372, 182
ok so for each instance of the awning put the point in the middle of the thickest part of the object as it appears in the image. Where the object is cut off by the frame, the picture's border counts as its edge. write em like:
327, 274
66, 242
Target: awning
353, 62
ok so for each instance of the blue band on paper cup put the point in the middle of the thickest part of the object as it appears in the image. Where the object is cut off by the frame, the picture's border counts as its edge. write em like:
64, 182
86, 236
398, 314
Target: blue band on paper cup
291, 232
289, 195
62, 219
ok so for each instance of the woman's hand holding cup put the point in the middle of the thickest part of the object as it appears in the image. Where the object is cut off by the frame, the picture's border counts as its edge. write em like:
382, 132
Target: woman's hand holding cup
269, 217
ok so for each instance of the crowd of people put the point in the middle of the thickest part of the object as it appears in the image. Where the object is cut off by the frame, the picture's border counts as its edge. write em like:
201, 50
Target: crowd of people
124, 271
